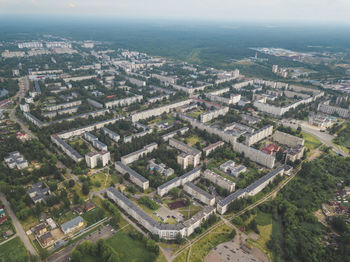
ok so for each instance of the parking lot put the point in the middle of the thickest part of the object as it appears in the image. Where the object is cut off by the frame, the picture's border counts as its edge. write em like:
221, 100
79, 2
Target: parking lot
165, 213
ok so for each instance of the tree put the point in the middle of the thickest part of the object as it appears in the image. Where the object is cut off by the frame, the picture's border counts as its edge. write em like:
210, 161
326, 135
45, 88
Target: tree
174, 192
179, 239
233, 234
76, 198
77, 256
241, 139
85, 188
279, 155
71, 183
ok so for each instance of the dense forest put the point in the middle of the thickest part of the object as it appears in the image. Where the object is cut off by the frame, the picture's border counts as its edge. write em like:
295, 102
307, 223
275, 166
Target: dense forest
294, 206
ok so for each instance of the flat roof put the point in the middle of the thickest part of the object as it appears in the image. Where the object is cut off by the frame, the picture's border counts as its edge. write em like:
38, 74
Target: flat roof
227, 200
199, 190
263, 179
132, 172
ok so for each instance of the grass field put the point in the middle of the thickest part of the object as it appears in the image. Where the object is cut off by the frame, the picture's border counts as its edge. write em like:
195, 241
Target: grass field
311, 142
13, 251
266, 226
129, 249
192, 140
66, 217
202, 248
102, 179
195, 113
189, 211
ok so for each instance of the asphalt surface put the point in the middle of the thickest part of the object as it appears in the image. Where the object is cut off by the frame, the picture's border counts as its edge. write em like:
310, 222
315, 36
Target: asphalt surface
18, 226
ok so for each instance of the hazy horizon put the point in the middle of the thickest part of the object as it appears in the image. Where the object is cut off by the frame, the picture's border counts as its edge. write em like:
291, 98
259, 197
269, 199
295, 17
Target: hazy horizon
313, 11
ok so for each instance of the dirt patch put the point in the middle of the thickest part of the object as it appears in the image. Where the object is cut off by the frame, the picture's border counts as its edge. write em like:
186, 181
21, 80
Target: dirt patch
57, 233
253, 236
213, 257
176, 204
236, 250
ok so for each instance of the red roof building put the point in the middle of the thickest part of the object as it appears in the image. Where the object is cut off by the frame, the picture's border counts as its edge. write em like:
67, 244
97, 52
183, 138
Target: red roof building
270, 149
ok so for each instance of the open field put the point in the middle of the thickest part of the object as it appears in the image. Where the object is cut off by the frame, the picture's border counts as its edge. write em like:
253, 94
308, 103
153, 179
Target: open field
100, 180
311, 142
192, 140
129, 249
201, 249
13, 250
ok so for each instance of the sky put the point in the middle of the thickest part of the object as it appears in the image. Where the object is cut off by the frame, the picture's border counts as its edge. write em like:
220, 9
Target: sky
244, 10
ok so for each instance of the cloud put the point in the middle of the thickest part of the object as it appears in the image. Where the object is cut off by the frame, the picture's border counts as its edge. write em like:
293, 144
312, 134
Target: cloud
72, 5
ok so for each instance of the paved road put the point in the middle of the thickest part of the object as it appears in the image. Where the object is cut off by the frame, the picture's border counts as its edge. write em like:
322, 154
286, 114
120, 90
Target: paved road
18, 226
324, 137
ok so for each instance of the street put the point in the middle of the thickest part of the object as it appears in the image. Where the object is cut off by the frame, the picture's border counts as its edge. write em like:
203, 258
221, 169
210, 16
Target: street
324, 137
18, 226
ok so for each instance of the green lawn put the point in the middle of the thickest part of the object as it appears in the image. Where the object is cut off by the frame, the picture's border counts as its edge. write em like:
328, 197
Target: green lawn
13, 251
192, 140
311, 142
129, 249
5, 227
66, 217
263, 219
102, 178
189, 211
195, 113
267, 227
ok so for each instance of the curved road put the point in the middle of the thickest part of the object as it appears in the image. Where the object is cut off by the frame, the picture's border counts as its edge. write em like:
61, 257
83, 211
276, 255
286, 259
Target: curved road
324, 137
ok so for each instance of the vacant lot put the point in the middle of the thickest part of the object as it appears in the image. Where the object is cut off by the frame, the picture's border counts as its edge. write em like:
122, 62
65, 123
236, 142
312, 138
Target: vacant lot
311, 142
202, 248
